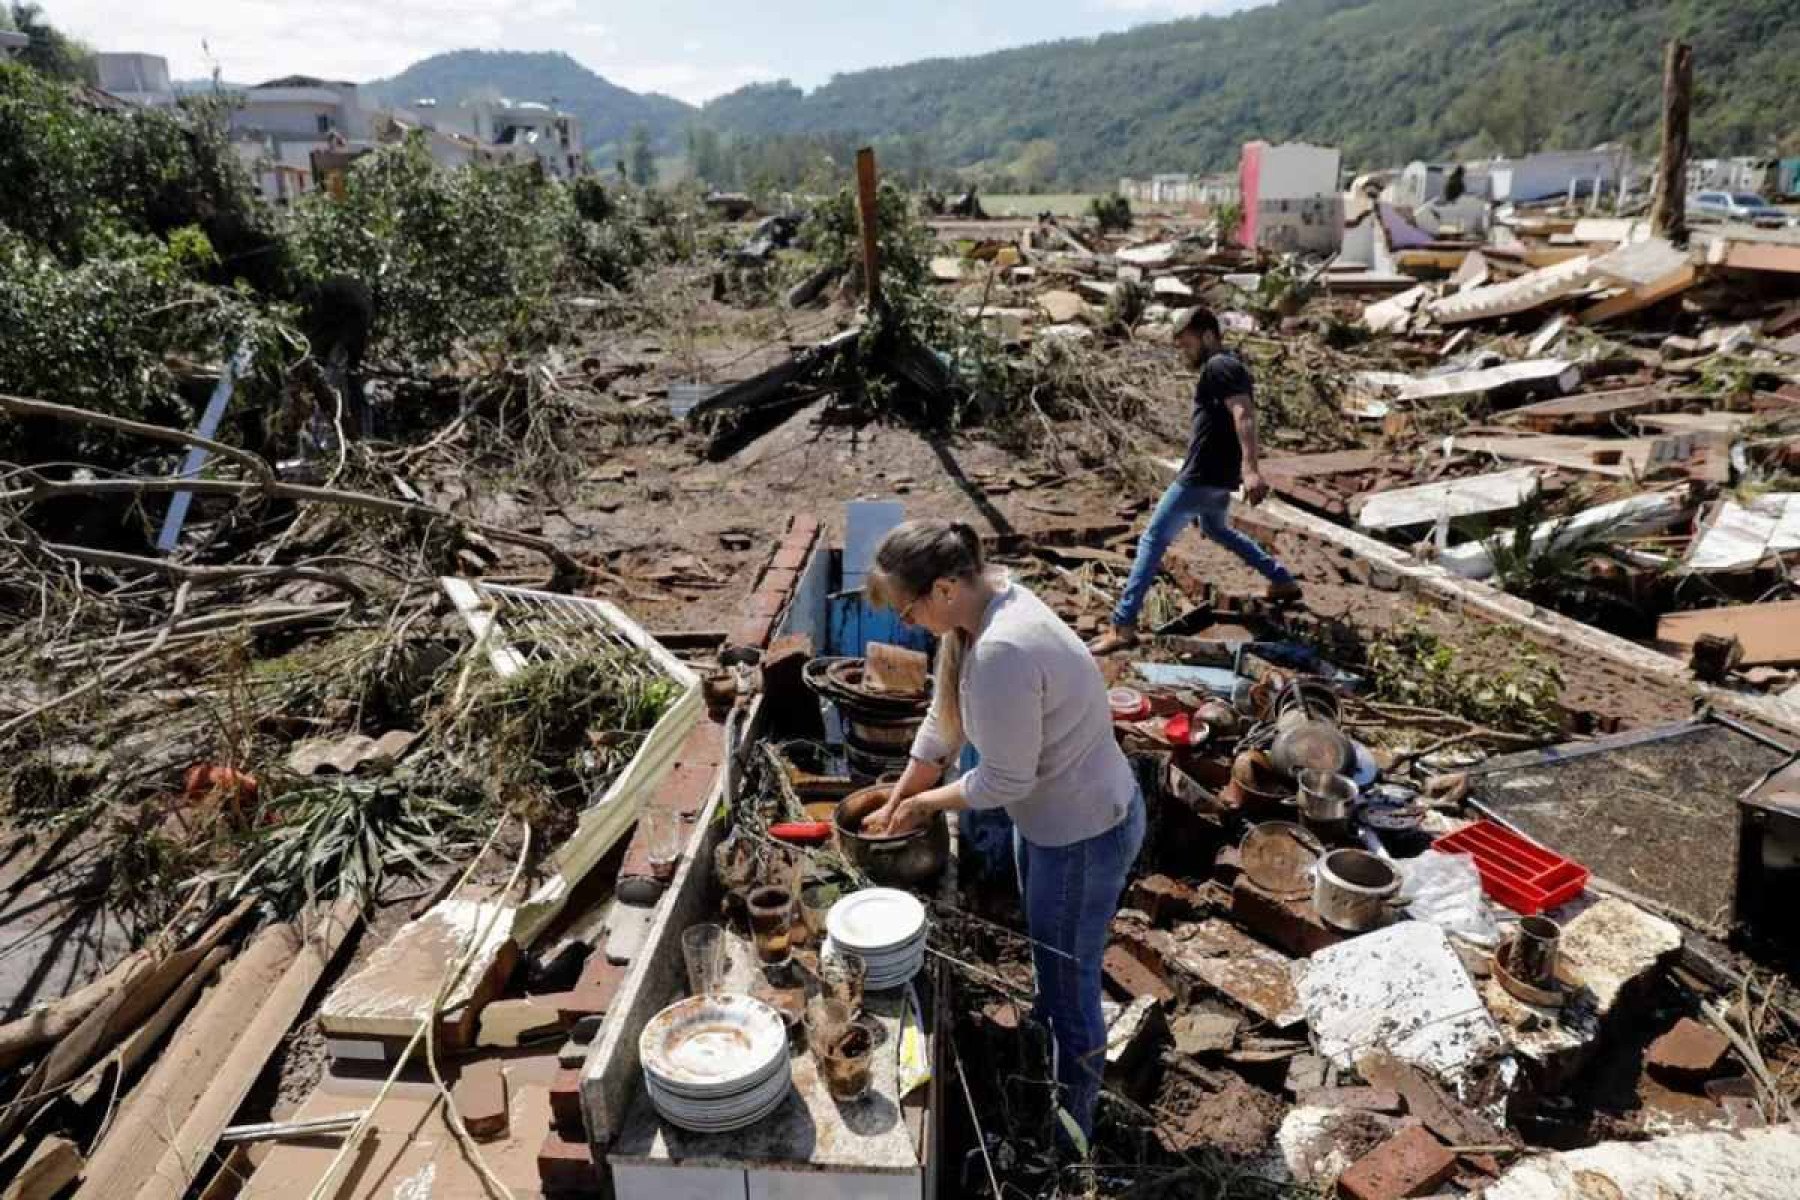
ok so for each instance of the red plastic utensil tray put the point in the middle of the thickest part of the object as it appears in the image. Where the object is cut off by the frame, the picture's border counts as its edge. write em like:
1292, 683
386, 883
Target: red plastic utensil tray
1516, 871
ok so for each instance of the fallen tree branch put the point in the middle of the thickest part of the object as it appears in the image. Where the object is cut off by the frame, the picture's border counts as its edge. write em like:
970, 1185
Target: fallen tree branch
21, 407
112, 672
205, 574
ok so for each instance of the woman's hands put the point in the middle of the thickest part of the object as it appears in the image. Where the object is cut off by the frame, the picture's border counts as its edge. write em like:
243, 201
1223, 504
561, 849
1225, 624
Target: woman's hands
899, 815
917, 777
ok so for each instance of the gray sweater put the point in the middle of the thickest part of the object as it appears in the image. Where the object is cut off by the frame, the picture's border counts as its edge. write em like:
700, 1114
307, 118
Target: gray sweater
1034, 707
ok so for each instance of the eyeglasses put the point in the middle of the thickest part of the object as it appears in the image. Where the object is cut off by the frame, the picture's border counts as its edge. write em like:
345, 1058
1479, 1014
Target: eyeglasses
906, 611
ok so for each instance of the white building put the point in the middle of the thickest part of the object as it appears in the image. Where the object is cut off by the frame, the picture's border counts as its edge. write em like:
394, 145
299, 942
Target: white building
1211, 190
1291, 197
141, 79
282, 123
12, 41
1556, 174
515, 130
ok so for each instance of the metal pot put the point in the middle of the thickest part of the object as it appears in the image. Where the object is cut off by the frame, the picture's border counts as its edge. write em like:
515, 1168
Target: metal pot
905, 859
1352, 888
1325, 801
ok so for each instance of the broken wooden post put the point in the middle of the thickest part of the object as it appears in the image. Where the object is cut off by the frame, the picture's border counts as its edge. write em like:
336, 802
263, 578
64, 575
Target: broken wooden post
868, 209
1668, 215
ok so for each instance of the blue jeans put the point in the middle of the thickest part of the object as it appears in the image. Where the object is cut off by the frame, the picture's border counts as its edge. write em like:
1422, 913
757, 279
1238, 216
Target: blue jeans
1207, 507
1070, 895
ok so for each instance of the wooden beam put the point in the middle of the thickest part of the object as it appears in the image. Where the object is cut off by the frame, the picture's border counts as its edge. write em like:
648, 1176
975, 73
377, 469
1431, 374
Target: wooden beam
869, 208
186, 1067
192, 1146
1668, 212
52, 1167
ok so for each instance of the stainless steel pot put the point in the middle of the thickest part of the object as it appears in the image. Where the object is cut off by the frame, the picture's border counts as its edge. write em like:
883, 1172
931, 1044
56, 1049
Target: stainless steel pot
1325, 801
906, 859
1352, 888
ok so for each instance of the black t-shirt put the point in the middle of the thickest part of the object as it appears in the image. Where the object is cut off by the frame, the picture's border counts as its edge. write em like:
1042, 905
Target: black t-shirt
1214, 457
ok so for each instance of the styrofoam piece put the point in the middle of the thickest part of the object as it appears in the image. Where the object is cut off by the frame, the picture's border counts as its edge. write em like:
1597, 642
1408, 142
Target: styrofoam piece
1402, 990
1742, 535
1502, 491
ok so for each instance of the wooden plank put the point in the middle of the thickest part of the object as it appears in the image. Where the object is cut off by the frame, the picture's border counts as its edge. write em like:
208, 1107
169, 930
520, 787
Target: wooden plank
868, 210
193, 1144
52, 1167
142, 1039
1768, 633
393, 991
1570, 453
1638, 299
1501, 491
185, 1068
1590, 412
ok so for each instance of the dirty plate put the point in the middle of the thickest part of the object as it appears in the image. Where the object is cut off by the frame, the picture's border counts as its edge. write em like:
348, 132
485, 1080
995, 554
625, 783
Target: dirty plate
876, 920
710, 1046
1278, 857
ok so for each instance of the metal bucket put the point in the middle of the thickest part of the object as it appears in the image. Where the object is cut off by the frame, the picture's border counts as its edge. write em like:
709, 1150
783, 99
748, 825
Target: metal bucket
1352, 888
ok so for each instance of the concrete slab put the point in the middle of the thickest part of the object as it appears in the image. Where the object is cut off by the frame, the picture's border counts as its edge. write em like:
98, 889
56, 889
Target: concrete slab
1756, 1164
394, 989
1318, 1144
1250, 973
1402, 989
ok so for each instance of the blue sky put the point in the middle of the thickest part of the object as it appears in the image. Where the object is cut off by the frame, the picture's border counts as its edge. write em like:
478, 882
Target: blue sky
686, 48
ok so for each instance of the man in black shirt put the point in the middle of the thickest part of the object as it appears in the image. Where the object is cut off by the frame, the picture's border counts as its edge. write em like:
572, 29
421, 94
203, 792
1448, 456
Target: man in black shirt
1222, 455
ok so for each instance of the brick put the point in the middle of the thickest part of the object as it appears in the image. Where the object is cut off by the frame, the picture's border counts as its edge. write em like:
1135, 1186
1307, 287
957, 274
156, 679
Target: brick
565, 1104
803, 524
480, 1097
1411, 1163
781, 582
1690, 1052
1163, 899
1290, 925
567, 1165
791, 556
752, 631
767, 605
593, 993
1365, 1099
1132, 977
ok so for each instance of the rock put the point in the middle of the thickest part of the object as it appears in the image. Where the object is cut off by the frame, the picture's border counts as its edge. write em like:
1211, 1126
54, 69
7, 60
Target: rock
626, 929
1062, 306
1756, 1164
1200, 1031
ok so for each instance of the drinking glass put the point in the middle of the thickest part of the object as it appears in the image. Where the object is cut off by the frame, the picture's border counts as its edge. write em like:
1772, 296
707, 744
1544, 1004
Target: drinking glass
771, 923
662, 843
708, 954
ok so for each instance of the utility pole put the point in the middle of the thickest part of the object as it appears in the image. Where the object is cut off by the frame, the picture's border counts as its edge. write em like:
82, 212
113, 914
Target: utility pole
1668, 215
867, 208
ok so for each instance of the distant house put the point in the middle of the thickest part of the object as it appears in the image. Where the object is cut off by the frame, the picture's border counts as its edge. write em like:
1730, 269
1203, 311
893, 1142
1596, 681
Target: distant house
513, 130
1559, 173
1291, 197
280, 124
1209, 190
12, 41
140, 79
1741, 174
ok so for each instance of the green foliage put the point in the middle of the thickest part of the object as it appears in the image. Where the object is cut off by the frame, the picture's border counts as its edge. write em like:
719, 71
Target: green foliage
70, 177
1384, 79
591, 199
1112, 213
51, 53
642, 158
1567, 569
467, 255
101, 335
1512, 689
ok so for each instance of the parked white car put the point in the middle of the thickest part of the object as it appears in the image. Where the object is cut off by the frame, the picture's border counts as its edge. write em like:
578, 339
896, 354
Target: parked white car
1745, 207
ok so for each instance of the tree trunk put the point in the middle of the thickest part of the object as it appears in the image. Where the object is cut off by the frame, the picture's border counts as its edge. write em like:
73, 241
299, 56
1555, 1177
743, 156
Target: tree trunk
1668, 215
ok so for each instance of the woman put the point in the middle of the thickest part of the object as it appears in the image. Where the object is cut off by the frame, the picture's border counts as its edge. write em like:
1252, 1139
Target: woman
1018, 685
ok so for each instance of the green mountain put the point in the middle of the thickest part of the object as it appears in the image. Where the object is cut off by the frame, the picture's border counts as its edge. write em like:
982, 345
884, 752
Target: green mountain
608, 112
1387, 80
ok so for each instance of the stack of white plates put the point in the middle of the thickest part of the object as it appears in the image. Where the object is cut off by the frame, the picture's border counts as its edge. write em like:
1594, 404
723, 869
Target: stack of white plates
885, 927
715, 1063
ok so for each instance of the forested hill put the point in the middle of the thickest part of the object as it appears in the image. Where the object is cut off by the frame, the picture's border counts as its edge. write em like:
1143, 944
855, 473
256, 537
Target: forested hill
608, 112
1388, 80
